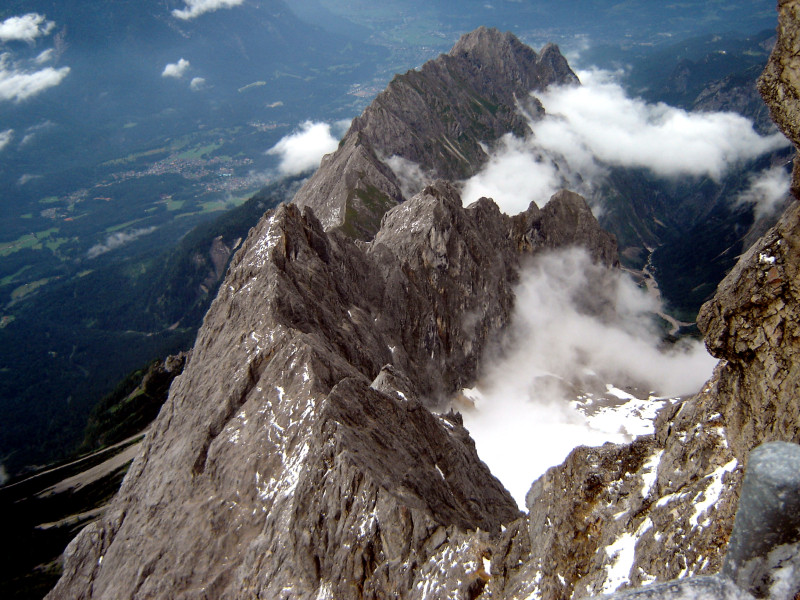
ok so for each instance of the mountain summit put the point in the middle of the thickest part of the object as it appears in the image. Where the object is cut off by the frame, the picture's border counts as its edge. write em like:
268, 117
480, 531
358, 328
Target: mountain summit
431, 123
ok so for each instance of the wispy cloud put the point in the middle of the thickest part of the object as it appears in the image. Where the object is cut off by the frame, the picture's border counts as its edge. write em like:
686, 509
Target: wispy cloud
19, 83
25, 28
34, 130
197, 84
176, 70
26, 177
594, 126
6, 137
117, 240
45, 57
195, 8
303, 150
767, 190
577, 329
411, 176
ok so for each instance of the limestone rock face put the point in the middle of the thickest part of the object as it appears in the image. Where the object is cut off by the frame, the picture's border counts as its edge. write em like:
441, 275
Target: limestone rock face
436, 119
752, 324
295, 457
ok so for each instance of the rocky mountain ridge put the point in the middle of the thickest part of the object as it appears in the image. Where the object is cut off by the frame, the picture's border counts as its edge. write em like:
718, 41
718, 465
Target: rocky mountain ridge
436, 121
294, 458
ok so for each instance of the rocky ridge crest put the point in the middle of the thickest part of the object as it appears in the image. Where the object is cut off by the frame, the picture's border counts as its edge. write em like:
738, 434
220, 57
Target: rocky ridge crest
295, 457
436, 119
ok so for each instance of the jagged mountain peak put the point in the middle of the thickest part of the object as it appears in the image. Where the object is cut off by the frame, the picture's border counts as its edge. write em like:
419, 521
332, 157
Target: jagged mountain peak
490, 49
503, 53
297, 456
436, 120
483, 37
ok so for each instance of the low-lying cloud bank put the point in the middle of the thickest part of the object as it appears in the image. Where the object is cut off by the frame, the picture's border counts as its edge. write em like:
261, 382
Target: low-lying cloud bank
303, 150
117, 240
580, 331
591, 127
195, 8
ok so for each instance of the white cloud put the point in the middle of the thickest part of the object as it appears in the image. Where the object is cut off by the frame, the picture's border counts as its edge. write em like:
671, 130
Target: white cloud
303, 150
6, 137
767, 190
176, 70
515, 175
577, 328
411, 176
25, 28
597, 120
45, 57
195, 8
18, 83
591, 127
197, 84
117, 240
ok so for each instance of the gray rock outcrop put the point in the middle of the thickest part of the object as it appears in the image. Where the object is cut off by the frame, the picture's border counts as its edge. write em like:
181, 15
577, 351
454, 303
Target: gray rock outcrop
762, 559
780, 82
290, 461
